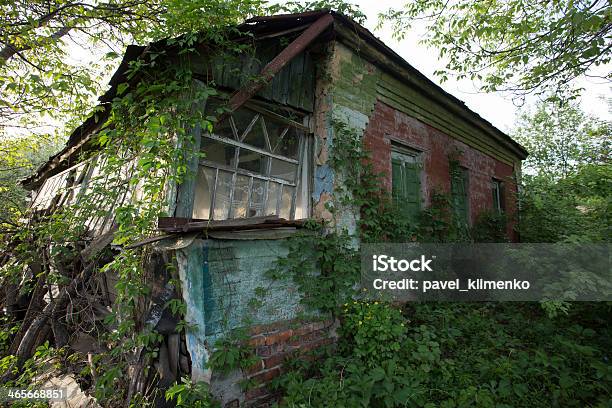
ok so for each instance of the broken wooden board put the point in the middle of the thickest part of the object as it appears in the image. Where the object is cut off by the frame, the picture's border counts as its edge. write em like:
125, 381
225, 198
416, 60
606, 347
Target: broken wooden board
175, 224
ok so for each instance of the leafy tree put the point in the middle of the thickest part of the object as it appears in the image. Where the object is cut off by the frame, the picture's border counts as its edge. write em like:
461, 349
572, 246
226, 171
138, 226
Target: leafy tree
567, 177
560, 138
43, 85
18, 158
40, 78
574, 209
348, 9
514, 45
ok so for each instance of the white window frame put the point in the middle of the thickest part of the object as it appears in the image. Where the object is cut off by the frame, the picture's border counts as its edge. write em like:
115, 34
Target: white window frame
300, 185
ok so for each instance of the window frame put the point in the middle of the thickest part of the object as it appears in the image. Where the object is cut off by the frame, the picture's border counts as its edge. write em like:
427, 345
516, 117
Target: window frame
497, 187
402, 153
301, 175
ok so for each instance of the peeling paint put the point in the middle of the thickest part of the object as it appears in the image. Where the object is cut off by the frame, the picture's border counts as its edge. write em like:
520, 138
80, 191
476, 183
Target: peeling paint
190, 261
219, 278
324, 181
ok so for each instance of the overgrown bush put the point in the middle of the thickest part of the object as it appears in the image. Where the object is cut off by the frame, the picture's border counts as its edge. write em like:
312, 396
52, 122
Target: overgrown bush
490, 226
373, 331
466, 355
576, 208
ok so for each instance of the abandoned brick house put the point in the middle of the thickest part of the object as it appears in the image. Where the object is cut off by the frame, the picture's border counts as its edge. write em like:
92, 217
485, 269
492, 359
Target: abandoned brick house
270, 158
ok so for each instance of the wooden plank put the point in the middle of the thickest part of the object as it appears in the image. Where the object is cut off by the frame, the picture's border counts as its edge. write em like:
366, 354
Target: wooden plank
434, 114
286, 55
186, 190
149, 240
307, 94
175, 224
98, 244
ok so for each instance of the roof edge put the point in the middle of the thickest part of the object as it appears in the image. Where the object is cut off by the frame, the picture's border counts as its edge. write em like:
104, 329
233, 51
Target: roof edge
78, 138
443, 97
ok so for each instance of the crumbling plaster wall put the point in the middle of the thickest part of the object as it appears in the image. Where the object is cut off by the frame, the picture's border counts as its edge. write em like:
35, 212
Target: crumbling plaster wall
219, 280
345, 92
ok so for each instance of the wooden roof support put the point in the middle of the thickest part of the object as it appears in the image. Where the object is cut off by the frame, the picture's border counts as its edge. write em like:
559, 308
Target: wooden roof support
283, 58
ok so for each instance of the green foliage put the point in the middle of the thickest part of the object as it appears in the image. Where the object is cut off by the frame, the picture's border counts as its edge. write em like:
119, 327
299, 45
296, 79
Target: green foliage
565, 196
323, 266
380, 219
566, 189
19, 157
574, 209
348, 9
40, 38
463, 355
373, 331
561, 138
44, 359
190, 395
513, 45
233, 352
438, 223
490, 226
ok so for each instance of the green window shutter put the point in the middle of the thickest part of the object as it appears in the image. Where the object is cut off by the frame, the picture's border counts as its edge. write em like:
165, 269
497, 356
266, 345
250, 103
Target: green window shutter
396, 180
406, 185
459, 193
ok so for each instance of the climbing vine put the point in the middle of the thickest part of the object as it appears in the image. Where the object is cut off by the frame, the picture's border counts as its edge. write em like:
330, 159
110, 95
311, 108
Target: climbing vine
140, 154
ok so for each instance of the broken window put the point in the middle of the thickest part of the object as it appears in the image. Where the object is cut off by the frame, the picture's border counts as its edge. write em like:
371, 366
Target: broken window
256, 163
62, 188
497, 188
104, 192
406, 181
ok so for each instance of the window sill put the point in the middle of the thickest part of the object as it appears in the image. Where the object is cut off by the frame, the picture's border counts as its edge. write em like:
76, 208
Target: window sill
176, 225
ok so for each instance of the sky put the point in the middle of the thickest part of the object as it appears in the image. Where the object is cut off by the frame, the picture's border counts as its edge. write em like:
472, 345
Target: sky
498, 109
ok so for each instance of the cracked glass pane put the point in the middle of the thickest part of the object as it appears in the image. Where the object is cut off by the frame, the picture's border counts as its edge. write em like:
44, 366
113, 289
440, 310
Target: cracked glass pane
218, 152
273, 191
203, 192
283, 170
241, 197
243, 119
253, 162
255, 136
256, 207
285, 210
222, 195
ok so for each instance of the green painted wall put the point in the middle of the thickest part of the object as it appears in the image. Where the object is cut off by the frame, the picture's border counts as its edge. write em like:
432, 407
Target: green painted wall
219, 279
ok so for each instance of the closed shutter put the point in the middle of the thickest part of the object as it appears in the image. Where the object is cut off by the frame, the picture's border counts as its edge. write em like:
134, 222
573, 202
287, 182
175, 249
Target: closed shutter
406, 185
459, 193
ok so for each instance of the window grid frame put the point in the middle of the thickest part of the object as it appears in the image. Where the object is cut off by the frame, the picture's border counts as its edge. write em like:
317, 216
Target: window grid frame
238, 143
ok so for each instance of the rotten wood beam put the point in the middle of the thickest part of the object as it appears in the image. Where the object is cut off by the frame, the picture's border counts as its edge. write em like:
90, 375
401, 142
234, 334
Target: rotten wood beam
283, 58
177, 225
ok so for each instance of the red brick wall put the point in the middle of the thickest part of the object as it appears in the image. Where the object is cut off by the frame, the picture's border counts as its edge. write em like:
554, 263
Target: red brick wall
387, 124
274, 344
